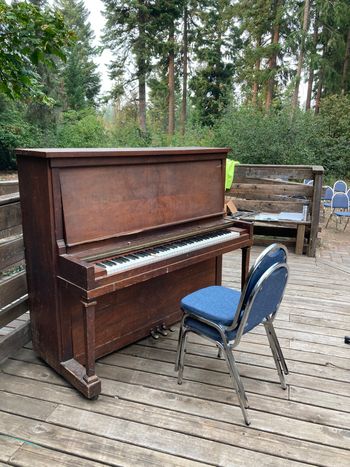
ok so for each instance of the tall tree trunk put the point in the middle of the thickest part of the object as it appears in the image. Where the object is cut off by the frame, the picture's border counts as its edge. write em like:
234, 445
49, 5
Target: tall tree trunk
255, 89
141, 72
275, 34
171, 83
346, 64
183, 116
319, 92
301, 54
142, 102
310, 81
320, 83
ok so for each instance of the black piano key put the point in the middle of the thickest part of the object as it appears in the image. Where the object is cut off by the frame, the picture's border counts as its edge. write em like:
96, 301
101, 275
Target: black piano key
149, 252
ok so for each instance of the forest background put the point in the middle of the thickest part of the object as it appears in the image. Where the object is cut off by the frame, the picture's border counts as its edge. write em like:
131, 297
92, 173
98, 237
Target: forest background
185, 72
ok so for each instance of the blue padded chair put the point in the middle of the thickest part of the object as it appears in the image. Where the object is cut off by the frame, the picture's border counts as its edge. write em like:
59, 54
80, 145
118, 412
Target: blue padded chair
340, 187
223, 315
327, 196
345, 214
339, 205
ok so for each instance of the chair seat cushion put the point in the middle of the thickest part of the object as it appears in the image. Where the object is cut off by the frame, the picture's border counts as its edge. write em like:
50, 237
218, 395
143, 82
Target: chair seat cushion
208, 331
215, 303
342, 213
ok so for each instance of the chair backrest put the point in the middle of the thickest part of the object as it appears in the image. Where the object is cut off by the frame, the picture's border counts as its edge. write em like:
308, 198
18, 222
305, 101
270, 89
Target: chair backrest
348, 193
273, 254
328, 194
340, 186
340, 201
264, 300
310, 182
307, 181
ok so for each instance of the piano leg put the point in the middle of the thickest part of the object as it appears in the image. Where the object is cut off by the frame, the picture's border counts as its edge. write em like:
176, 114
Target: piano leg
89, 340
82, 377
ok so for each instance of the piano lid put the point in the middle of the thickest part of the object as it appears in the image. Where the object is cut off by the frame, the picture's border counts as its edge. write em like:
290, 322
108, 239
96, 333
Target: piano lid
103, 202
53, 153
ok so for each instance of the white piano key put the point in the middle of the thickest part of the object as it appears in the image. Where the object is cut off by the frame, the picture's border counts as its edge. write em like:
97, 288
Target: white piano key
167, 251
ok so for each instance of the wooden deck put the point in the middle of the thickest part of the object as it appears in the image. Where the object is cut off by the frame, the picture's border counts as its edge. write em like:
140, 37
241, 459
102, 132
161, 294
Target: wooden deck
143, 417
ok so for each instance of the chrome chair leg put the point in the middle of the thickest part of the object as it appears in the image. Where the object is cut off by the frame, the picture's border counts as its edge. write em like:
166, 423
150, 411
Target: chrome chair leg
237, 376
177, 360
275, 356
347, 221
236, 379
329, 218
182, 355
278, 348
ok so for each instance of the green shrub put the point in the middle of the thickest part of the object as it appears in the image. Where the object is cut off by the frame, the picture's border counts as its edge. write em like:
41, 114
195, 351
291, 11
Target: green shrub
15, 132
81, 129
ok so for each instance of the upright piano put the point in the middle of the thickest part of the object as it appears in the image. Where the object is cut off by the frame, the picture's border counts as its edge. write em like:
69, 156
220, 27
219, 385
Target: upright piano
114, 238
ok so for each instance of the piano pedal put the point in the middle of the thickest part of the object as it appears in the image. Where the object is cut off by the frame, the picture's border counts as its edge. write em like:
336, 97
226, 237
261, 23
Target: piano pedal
154, 334
162, 330
166, 328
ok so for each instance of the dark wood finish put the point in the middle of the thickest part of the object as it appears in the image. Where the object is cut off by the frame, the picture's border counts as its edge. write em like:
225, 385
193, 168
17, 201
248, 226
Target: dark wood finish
82, 206
315, 212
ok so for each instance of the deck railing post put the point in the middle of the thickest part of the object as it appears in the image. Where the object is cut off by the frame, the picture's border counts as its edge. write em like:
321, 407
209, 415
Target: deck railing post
315, 210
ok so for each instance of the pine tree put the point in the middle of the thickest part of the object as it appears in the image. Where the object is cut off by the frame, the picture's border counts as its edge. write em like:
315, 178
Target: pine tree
184, 53
212, 84
81, 81
253, 17
330, 59
129, 34
305, 26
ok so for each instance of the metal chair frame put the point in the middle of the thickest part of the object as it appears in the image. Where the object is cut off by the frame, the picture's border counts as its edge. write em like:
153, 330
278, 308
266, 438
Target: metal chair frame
239, 322
338, 194
343, 189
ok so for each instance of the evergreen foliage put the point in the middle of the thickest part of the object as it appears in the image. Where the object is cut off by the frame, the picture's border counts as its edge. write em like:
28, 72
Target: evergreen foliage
80, 78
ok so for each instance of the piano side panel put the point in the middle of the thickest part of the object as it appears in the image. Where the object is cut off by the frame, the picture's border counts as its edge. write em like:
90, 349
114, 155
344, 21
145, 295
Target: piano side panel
101, 202
128, 315
39, 241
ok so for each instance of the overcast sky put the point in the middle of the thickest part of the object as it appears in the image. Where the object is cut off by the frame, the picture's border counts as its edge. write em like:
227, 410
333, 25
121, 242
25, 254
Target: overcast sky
97, 21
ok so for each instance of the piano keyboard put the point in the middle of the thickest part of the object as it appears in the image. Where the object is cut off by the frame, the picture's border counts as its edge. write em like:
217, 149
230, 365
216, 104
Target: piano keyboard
155, 254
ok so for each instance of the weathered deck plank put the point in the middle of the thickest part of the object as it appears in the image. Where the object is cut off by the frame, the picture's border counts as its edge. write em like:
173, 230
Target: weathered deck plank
143, 417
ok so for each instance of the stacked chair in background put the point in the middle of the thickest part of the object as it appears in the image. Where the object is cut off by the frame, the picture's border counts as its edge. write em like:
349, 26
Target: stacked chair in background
338, 200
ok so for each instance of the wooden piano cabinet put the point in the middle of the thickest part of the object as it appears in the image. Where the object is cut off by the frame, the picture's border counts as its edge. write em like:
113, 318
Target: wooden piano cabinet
127, 315
77, 203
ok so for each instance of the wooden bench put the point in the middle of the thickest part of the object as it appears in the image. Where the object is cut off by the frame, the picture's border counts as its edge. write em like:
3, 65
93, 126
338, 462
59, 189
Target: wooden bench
280, 188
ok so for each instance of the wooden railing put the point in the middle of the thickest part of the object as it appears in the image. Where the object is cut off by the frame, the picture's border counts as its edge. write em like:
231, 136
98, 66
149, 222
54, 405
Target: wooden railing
14, 324
280, 188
